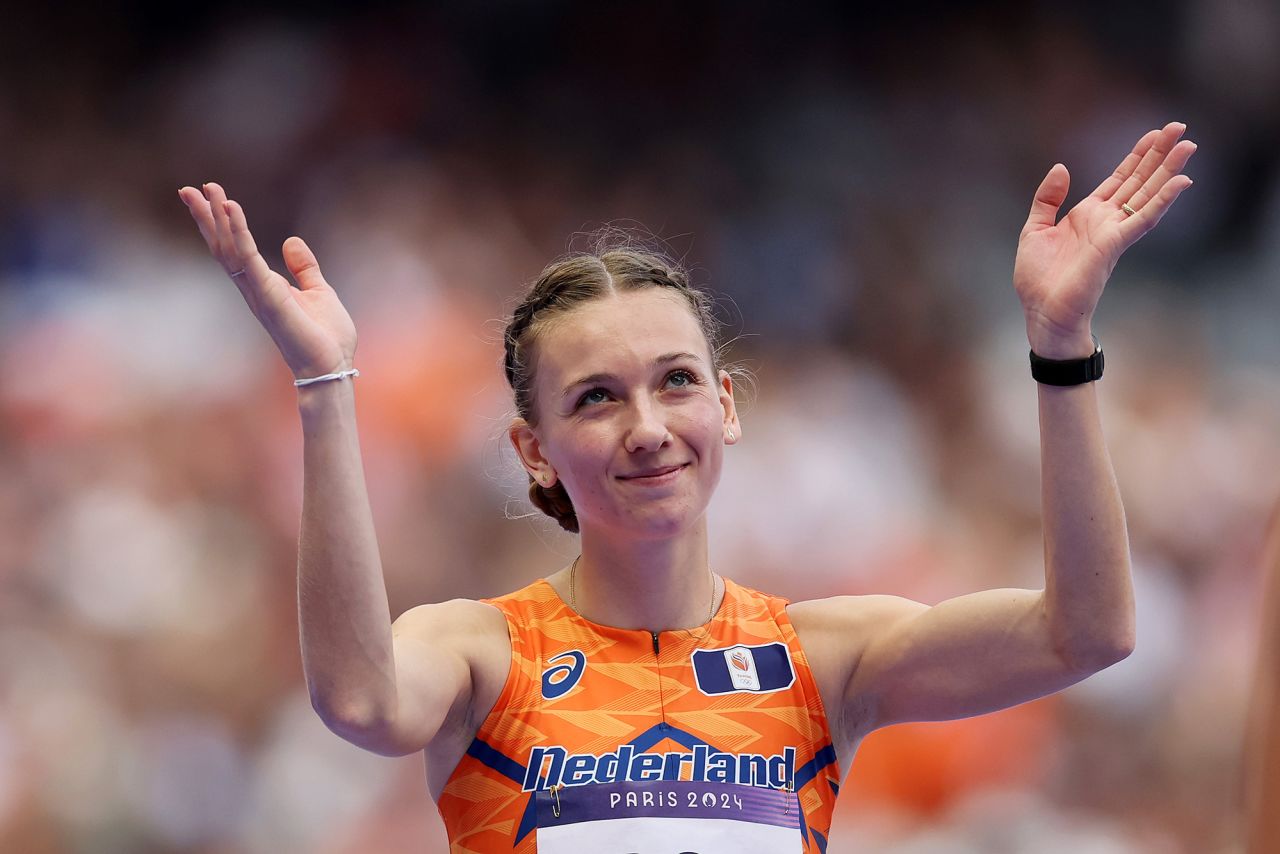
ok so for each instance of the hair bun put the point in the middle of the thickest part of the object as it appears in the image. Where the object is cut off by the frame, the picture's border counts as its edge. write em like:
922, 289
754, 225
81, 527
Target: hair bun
555, 502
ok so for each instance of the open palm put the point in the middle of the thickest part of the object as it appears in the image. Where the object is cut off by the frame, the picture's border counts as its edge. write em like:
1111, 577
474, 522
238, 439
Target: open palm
309, 325
1062, 266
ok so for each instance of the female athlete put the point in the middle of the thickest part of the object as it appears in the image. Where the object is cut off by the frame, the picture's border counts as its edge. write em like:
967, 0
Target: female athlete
637, 700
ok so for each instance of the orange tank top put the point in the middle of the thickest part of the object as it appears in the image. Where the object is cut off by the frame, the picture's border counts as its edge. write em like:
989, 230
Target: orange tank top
733, 702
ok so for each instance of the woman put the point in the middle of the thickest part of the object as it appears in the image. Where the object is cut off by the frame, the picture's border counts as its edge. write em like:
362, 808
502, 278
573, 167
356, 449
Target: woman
637, 699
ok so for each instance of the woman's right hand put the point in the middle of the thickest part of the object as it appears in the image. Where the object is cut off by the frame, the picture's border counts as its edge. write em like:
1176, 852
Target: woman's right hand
309, 325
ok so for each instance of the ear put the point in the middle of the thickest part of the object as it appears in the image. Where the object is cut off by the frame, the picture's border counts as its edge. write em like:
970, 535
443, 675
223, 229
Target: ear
529, 450
731, 424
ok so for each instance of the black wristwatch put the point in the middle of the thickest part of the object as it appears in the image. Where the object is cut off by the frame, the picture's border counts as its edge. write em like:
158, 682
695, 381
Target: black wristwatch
1063, 372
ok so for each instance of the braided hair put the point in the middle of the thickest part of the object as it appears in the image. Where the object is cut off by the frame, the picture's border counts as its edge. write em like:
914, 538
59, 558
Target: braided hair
615, 266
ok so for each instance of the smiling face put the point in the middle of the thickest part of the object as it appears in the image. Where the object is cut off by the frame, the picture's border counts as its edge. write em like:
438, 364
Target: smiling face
632, 417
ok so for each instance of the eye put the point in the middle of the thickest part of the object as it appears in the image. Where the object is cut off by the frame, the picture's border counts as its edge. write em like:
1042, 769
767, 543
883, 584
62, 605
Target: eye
590, 396
688, 377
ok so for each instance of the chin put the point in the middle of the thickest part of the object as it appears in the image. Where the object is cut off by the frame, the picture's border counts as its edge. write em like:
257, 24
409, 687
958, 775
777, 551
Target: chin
662, 525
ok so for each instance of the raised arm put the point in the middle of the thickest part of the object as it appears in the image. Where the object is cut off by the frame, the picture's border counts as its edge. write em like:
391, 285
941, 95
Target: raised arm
897, 660
378, 688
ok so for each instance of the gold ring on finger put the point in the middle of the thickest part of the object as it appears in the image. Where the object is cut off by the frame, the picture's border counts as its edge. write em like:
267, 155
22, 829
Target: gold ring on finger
1128, 210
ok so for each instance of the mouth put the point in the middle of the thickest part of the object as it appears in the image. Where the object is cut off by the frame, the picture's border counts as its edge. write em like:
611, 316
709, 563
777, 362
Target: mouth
655, 476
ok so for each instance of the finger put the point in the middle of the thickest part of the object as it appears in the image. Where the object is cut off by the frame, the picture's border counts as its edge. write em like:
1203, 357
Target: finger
1153, 211
222, 230
253, 281
1126, 167
1050, 195
1159, 151
302, 263
1172, 165
198, 207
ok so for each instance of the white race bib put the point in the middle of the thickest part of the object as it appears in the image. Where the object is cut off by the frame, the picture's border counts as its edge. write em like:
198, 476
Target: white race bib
668, 817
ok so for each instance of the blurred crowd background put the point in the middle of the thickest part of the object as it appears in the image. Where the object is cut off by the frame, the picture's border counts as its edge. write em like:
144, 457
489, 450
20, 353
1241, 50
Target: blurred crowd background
851, 185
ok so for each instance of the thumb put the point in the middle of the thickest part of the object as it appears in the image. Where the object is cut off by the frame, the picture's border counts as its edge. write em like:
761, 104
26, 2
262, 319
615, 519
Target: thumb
1050, 195
302, 263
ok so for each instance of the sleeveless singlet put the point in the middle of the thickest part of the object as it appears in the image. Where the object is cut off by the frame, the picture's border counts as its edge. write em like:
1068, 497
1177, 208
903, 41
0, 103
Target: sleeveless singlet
714, 733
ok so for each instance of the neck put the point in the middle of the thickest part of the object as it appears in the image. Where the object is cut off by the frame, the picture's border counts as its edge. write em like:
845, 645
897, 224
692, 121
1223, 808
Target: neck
656, 585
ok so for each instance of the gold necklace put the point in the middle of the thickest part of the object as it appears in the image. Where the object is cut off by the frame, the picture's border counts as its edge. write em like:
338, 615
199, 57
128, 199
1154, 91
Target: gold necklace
573, 595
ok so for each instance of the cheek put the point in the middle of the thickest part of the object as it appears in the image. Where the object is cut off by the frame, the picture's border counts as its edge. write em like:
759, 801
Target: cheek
702, 431
711, 427
708, 420
586, 451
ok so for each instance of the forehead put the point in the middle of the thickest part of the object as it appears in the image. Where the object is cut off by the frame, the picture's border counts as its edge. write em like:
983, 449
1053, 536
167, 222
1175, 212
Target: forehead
615, 332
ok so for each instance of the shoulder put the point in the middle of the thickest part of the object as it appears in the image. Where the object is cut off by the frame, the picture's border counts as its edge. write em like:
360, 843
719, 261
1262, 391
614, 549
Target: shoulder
841, 614
841, 620
471, 619
837, 630
454, 620
835, 633
468, 630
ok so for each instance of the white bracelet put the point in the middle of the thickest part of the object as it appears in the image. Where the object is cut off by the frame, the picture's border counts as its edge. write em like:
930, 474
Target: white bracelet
339, 375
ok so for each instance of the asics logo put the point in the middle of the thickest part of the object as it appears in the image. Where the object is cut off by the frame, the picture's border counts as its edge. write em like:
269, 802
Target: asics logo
559, 679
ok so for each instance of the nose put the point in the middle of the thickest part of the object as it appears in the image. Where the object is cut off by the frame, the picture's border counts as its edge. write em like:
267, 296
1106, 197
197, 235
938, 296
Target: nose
648, 429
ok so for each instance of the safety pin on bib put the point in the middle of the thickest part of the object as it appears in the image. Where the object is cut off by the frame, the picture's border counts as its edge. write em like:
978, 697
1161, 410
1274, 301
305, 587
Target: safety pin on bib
786, 797
555, 799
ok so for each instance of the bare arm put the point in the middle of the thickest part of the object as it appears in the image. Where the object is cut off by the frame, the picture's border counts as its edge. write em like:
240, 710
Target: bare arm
997, 648
343, 615
387, 688
367, 682
896, 660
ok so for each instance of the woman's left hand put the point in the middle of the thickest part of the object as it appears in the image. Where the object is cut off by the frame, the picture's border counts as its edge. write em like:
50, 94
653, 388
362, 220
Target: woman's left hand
1062, 267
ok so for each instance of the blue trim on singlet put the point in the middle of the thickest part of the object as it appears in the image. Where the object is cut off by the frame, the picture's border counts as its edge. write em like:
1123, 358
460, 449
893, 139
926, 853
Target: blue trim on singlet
804, 774
658, 732
642, 743
529, 820
810, 769
493, 758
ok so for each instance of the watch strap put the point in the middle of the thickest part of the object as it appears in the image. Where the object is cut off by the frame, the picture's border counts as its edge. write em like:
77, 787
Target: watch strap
1067, 372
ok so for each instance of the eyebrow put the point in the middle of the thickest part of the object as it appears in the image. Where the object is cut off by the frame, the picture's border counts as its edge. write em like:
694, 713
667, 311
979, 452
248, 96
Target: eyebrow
601, 378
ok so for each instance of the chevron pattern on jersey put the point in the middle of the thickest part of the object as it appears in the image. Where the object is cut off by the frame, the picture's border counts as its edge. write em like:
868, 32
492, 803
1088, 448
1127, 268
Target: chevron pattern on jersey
626, 702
